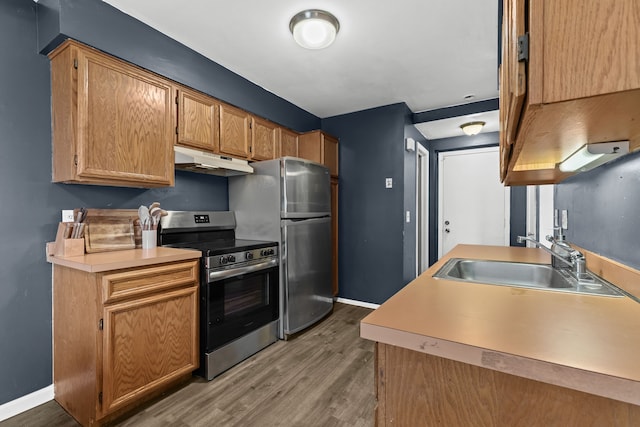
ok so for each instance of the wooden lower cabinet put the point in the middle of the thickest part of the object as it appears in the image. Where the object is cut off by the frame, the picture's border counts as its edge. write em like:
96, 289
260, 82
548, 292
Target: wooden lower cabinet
122, 337
415, 389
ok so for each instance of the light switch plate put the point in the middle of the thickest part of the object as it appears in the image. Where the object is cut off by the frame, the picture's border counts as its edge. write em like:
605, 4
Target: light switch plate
67, 215
565, 219
408, 216
388, 182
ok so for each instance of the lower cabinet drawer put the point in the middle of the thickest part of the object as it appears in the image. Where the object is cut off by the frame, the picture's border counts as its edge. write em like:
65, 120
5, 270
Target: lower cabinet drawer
143, 281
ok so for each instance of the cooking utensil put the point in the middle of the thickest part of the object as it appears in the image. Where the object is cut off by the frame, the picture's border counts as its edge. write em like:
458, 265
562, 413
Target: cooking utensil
143, 214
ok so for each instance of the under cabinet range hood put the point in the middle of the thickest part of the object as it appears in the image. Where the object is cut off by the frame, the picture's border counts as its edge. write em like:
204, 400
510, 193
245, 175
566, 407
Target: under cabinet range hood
202, 162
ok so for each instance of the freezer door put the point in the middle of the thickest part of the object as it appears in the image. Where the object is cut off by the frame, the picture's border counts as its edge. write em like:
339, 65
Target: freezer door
306, 189
306, 262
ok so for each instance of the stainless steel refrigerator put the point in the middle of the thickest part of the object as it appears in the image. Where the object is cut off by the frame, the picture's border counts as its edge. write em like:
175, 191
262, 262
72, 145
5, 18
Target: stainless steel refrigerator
288, 200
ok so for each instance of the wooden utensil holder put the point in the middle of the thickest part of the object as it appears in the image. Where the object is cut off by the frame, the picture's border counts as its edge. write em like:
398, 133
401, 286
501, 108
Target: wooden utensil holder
66, 247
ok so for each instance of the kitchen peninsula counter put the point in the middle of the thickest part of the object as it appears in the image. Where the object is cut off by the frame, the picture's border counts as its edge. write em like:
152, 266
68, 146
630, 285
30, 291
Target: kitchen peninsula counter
131, 258
579, 342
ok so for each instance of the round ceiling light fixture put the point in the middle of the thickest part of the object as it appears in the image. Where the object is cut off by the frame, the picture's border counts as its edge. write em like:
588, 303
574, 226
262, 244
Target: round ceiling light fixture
314, 28
472, 128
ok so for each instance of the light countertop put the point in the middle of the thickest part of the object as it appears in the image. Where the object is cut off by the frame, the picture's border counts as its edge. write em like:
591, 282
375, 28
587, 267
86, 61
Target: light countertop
588, 343
116, 260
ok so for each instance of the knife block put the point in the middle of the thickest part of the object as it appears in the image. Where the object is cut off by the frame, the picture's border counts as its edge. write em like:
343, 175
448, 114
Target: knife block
66, 247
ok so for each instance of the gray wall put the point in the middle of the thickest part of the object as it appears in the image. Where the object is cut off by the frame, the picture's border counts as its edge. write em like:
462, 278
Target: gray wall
31, 204
604, 209
371, 217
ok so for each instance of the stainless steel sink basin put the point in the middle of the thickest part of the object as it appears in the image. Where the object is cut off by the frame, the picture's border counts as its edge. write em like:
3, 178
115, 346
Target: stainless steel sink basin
523, 275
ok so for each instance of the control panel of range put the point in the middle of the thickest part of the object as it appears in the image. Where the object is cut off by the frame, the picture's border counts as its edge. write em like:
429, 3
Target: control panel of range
241, 257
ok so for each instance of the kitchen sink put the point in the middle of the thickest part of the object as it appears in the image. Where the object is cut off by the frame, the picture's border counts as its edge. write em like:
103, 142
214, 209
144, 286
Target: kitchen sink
523, 275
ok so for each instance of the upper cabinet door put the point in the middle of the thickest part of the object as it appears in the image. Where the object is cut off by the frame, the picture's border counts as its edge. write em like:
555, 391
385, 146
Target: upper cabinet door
310, 146
514, 78
264, 139
288, 143
235, 134
198, 125
125, 122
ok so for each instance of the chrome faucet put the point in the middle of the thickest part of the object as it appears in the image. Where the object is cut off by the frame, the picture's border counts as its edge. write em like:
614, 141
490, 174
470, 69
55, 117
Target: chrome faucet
562, 255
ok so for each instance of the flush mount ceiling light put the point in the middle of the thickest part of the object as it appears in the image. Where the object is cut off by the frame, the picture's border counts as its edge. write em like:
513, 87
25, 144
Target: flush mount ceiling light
472, 128
590, 156
314, 29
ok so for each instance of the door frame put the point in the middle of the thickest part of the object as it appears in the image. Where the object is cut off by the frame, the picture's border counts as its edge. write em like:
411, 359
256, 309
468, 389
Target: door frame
422, 209
507, 192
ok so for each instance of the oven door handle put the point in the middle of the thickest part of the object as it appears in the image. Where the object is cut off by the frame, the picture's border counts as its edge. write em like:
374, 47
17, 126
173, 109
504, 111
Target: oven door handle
225, 274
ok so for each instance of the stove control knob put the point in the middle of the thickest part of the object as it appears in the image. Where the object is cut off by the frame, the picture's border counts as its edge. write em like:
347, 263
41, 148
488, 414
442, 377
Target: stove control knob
248, 255
231, 258
271, 251
224, 260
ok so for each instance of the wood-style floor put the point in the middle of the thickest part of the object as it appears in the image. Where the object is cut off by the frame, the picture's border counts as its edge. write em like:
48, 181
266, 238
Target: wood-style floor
320, 377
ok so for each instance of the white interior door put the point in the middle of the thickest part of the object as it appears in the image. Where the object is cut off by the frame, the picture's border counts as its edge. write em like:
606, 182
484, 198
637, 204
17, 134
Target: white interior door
473, 203
540, 213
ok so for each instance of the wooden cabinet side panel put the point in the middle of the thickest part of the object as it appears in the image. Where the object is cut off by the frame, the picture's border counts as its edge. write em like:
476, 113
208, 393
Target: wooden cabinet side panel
309, 146
590, 48
64, 117
330, 154
148, 343
198, 125
76, 342
423, 390
125, 122
235, 134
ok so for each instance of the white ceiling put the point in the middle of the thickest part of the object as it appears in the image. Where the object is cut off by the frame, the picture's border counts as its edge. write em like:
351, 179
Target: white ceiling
427, 53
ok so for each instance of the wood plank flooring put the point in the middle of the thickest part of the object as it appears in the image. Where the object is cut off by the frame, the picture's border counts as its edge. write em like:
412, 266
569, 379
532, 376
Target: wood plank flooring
320, 377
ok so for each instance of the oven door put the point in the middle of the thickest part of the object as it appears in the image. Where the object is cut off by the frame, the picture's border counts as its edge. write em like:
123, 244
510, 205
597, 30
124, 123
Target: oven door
238, 301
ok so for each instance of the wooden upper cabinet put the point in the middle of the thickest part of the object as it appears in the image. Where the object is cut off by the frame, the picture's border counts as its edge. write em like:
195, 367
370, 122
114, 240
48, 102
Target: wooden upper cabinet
113, 123
235, 132
310, 146
264, 135
319, 147
198, 121
288, 143
577, 83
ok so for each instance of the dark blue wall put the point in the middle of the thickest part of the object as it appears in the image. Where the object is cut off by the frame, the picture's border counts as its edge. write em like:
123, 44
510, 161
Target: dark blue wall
31, 204
371, 221
518, 203
104, 27
604, 209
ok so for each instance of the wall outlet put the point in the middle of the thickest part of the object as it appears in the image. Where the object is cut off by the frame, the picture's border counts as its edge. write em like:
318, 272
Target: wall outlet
67, 215
565, 219
388, 182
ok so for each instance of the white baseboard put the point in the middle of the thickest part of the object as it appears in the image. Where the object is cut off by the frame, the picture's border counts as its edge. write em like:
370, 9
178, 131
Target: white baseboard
358, 303
24, 403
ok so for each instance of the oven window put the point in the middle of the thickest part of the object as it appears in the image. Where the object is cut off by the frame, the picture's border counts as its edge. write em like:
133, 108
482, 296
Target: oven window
244, 294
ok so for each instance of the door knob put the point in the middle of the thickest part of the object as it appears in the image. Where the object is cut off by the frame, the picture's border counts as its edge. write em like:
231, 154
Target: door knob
446, 223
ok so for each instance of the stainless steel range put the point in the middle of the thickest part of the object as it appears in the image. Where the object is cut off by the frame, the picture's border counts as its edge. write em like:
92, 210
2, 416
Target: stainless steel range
238, 287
